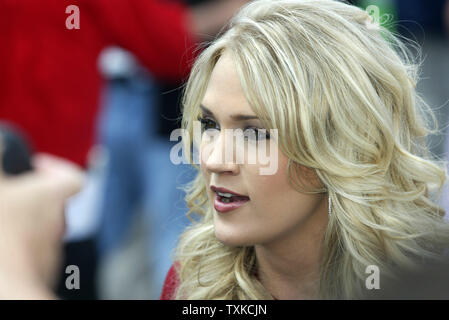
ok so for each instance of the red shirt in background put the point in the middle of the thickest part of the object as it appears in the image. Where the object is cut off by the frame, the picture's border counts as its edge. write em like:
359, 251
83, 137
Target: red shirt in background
49, 80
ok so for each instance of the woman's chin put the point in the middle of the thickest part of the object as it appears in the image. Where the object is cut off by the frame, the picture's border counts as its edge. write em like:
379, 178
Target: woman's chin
232, 239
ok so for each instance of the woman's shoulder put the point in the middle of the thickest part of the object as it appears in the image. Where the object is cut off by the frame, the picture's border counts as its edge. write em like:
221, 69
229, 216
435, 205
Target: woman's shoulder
171, 283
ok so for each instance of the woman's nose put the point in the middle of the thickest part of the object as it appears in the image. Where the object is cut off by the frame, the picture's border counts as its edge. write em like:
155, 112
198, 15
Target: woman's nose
219, 154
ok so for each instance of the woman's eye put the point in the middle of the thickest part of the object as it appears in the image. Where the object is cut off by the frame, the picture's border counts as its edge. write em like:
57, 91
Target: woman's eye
207, 124
251, 133
256, 134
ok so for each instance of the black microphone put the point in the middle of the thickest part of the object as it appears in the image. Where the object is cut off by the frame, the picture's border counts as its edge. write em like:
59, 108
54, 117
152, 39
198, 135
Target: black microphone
15, 150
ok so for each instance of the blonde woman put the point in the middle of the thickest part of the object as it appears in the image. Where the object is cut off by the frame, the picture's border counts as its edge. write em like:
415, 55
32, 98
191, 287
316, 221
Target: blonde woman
353, 185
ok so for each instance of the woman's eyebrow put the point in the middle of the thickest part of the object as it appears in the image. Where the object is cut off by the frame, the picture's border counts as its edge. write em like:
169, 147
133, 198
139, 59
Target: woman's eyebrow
236, 117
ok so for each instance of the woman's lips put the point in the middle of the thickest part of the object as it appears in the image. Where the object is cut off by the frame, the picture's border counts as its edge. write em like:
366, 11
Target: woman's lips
225, 207
224, 190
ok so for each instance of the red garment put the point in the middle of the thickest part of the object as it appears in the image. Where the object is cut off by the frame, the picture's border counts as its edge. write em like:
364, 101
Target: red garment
49, 81
171, 284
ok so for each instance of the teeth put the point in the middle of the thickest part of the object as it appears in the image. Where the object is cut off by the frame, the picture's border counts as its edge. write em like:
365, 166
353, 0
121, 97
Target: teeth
227, 195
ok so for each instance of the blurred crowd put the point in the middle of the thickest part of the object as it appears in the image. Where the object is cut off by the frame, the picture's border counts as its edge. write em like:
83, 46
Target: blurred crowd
107, 96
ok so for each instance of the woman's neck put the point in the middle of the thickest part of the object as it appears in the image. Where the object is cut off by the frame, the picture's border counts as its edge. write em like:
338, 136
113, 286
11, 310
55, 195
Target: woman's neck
289, 267
286, 277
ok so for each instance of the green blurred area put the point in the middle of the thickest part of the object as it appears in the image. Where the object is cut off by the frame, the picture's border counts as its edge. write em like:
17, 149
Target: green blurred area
385, 12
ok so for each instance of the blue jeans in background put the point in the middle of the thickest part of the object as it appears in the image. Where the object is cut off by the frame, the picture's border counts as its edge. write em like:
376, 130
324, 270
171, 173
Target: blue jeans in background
139, 175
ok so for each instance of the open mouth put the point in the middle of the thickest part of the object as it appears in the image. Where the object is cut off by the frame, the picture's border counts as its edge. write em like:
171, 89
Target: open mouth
228, 197
226, 200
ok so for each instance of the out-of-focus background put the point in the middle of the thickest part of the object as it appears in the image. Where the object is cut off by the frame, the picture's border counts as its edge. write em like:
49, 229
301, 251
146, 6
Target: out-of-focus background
105, 93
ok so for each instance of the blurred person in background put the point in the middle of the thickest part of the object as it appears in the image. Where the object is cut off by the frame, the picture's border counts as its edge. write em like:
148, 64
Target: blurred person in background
142, 211
50, 84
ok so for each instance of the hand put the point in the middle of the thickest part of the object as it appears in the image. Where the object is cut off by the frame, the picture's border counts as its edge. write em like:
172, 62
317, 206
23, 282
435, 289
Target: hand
32, 225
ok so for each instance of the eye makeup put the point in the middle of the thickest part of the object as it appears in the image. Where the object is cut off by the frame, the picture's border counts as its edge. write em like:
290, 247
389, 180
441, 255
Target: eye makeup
249, 132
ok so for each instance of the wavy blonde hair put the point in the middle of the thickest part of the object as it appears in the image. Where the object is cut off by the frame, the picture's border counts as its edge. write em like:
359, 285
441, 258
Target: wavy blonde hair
341, 92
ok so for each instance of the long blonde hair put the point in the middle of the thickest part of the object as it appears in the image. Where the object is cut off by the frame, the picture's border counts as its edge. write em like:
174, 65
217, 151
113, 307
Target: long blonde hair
341, 92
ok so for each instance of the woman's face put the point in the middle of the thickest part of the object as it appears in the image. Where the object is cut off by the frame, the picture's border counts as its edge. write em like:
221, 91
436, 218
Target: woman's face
273, 210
